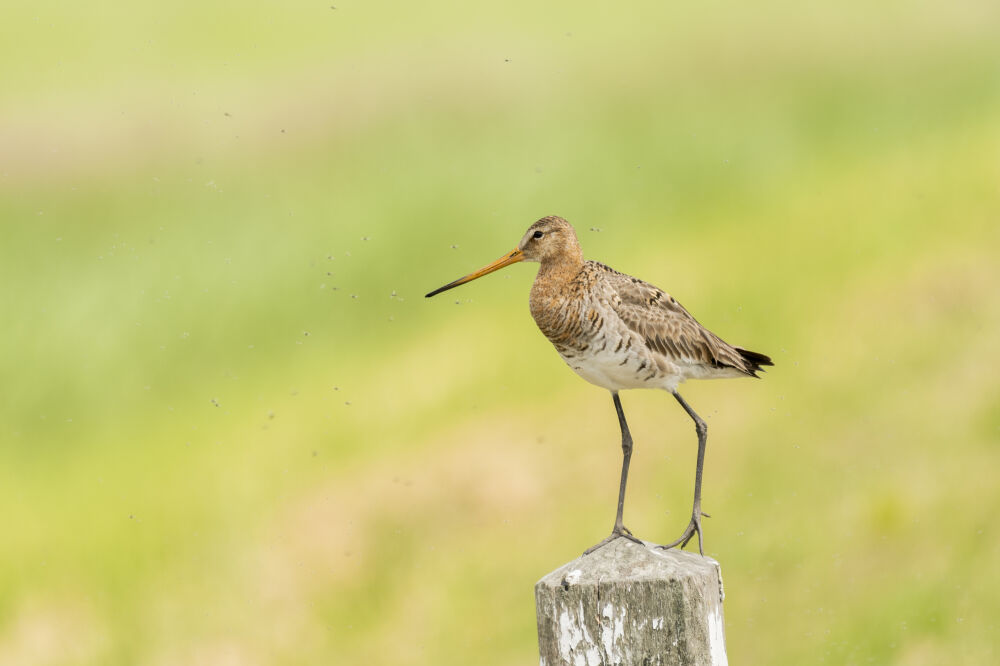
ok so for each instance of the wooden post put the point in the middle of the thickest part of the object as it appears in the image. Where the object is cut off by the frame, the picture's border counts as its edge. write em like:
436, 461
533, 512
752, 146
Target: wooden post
628, 604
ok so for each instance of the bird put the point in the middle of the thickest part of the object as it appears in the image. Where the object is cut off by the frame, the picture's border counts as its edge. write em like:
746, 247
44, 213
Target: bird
619, 332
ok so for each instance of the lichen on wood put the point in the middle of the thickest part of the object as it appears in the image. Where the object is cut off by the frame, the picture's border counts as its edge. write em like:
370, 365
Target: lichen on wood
629, 604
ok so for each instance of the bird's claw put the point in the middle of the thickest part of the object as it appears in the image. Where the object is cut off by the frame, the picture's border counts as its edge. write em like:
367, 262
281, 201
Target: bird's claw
619, 531
694, 527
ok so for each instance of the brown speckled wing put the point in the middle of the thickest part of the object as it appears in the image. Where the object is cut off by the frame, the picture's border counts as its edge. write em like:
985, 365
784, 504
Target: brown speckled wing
665, 325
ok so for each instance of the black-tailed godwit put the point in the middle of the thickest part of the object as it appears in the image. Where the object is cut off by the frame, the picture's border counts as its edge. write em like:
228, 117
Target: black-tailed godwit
619, 332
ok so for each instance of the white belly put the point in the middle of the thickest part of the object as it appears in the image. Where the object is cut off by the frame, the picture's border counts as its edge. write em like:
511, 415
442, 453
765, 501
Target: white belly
621, 368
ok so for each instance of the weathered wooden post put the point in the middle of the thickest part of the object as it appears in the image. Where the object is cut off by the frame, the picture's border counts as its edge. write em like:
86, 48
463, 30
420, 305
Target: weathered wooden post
628, 604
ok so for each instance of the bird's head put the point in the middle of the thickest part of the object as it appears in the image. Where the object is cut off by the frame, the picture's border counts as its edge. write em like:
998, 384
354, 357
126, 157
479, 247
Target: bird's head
550, 239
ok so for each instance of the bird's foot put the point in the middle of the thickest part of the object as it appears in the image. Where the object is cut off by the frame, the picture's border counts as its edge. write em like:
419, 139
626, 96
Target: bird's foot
694, 527
618, 531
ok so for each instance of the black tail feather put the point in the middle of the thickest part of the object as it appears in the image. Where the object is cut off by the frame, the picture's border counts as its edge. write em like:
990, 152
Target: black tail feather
754, 360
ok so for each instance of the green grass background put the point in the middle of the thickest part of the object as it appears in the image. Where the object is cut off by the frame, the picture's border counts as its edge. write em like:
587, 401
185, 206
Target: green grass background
234, 433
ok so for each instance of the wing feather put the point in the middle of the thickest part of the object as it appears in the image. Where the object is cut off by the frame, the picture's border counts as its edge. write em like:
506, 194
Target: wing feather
666, 326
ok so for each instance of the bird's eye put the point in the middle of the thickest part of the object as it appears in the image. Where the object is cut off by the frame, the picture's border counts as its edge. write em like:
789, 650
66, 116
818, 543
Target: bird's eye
537, 234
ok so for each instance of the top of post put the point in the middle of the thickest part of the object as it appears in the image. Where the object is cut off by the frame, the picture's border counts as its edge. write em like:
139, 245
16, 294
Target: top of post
624, 561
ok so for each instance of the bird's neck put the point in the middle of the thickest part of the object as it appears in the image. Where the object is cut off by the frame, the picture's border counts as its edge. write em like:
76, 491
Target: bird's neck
551, 296
561, 268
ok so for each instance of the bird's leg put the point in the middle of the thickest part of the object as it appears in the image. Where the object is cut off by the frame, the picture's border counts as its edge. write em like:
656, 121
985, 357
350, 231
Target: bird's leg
619, 530
695, 525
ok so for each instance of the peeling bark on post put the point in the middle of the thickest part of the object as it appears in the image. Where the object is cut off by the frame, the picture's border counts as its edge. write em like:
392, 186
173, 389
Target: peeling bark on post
628, 604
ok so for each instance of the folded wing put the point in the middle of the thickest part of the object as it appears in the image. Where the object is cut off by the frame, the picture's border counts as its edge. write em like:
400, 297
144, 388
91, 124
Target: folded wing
670, 330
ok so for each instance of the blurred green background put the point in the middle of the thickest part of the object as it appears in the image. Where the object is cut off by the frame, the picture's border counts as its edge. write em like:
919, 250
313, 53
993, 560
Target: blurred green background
233, 432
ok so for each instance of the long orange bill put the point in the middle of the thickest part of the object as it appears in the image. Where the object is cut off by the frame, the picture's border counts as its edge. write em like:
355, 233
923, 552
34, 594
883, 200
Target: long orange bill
505, 260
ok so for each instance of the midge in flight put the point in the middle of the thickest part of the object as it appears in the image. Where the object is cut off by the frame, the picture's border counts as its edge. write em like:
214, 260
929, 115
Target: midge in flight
619, 332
